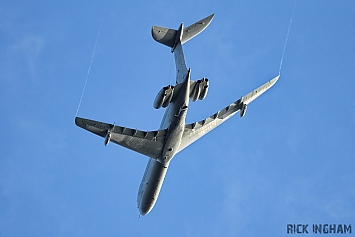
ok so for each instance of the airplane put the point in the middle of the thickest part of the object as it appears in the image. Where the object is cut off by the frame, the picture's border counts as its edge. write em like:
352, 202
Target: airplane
174, 134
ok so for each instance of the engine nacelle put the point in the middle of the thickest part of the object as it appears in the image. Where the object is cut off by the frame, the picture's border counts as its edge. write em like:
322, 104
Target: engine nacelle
204, 88
199, 89
243, 110
195, 90
164, 97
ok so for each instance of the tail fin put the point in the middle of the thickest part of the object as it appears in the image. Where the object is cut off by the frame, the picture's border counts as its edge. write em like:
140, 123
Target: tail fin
171, 37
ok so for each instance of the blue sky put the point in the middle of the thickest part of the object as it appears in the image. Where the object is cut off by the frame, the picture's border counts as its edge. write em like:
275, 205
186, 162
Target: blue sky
289, 160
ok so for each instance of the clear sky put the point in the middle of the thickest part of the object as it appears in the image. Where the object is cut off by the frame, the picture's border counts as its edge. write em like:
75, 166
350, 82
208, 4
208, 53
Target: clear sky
289, 160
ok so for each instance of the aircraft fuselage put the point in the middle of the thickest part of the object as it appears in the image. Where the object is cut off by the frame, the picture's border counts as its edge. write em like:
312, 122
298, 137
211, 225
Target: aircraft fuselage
174, 121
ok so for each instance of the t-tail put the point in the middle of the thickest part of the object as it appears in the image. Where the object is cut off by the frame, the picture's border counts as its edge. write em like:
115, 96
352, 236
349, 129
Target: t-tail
175, 38
172, 38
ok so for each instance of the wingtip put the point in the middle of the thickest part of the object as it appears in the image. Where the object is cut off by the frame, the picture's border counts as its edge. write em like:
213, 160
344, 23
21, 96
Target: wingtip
274, 80
77, 120
210, 17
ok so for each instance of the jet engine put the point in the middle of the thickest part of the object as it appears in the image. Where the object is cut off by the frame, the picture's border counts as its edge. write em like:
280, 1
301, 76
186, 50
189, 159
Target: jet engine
164, 97
204, 88
199, 89
195, 90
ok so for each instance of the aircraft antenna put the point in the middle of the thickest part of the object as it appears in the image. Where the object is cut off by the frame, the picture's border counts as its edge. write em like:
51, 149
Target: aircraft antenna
288, 32
88, 72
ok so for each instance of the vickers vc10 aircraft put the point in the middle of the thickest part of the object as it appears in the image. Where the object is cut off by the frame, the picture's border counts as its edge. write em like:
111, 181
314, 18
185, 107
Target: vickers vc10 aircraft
174, 134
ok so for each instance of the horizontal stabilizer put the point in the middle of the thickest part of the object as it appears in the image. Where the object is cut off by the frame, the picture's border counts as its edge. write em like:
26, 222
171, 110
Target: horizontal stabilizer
147, 143
196, 29
168, 36
164, 35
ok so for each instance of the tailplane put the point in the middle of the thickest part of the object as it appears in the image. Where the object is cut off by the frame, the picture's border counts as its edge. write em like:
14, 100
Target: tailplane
172, 38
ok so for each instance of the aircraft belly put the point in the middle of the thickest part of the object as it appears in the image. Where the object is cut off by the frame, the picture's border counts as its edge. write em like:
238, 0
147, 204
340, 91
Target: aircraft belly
151, 185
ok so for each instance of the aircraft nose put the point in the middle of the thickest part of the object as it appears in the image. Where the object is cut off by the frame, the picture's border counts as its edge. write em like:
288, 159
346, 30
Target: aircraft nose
144, 210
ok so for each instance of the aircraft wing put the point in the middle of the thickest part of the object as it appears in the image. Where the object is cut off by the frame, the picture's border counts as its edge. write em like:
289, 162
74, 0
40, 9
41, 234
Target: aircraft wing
196, 130
260, 90
147, 143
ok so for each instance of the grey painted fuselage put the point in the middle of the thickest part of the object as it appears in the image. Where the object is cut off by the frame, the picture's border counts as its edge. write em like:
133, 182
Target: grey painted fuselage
174, 121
